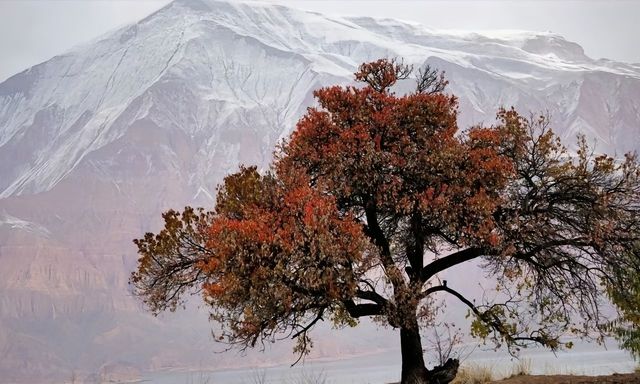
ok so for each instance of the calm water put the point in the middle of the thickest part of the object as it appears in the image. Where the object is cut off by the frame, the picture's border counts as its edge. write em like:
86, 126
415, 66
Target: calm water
385, 367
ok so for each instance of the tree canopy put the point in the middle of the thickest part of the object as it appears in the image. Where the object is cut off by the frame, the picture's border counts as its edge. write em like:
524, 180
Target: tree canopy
375, 194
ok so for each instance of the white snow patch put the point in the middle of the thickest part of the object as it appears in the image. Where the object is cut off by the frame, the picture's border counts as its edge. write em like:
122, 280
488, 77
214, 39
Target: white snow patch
12, 222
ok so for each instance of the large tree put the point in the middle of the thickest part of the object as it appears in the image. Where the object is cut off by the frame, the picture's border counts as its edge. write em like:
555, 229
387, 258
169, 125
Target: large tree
375, 195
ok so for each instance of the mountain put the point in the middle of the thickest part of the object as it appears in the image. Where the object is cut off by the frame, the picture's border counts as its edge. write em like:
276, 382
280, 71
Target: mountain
96, 142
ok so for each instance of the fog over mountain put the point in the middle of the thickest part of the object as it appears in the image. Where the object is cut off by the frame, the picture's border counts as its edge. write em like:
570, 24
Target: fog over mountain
96, 142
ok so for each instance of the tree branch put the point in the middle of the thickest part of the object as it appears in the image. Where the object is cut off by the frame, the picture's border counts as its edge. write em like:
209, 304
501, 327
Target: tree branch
575, 242
491, 320
449, 261
455, 293
311, 324
362, 310
415, 252
374, 231
373, 296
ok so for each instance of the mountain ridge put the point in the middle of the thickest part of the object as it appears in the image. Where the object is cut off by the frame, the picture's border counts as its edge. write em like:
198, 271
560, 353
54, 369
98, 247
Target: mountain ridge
463, 49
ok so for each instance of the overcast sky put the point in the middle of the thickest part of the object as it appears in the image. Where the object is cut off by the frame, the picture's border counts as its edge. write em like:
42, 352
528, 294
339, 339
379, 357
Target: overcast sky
32, 31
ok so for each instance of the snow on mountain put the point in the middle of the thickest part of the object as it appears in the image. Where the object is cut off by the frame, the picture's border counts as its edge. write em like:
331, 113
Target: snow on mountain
96, 142
257, 59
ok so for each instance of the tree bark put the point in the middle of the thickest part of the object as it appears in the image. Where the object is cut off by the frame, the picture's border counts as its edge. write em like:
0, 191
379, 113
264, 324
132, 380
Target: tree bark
413, 368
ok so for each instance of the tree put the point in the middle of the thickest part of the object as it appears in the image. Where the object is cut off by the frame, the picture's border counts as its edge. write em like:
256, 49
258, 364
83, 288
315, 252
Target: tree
375, 195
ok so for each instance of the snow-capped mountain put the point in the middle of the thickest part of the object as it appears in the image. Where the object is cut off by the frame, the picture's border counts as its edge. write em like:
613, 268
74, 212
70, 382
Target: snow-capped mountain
96, 142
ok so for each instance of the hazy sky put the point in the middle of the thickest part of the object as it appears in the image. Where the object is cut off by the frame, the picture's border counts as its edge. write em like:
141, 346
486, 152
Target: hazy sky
32, 31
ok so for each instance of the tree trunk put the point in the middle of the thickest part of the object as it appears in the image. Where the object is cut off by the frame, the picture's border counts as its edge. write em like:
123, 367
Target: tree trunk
413, 369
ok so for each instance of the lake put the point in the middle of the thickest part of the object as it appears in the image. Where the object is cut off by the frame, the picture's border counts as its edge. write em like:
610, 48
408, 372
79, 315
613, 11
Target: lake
384, 367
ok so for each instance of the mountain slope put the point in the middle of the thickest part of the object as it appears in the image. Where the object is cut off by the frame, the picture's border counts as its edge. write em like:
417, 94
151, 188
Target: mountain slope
95, 143
229, 60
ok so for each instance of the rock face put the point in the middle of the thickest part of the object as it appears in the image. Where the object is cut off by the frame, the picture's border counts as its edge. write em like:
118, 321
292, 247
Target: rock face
96, 142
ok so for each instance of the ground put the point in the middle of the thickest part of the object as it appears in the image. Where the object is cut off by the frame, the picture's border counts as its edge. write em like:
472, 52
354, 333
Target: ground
563, 379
